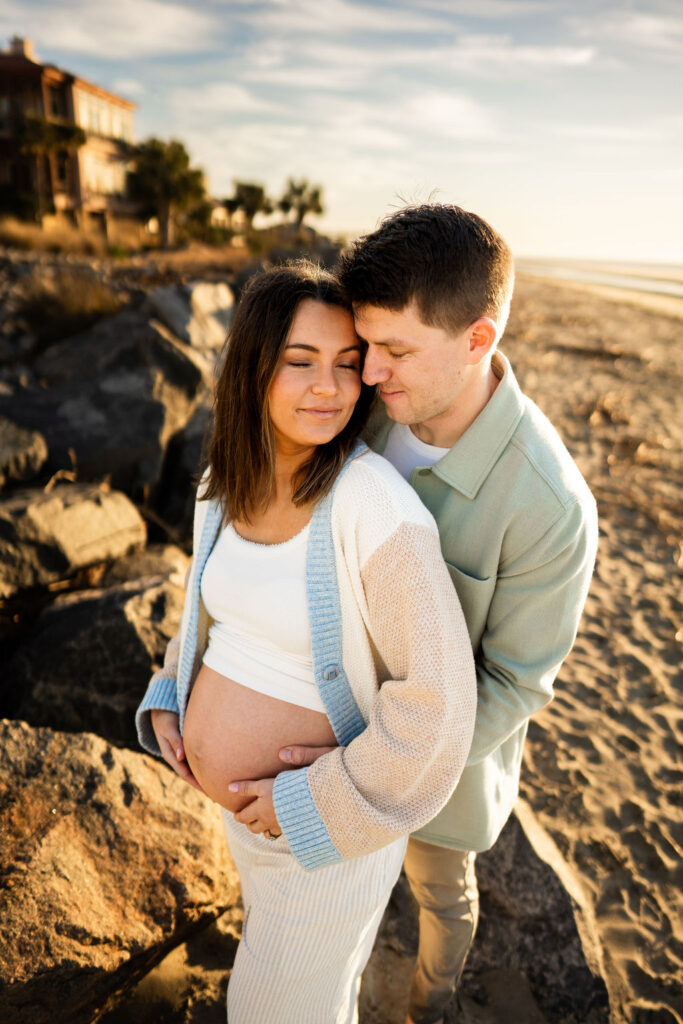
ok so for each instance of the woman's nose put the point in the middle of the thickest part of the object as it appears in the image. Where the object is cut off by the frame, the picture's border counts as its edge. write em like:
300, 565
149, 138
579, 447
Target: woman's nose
325, 381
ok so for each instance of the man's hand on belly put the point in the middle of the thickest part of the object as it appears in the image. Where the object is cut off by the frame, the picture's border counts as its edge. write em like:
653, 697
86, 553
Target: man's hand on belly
300, 756
259, 814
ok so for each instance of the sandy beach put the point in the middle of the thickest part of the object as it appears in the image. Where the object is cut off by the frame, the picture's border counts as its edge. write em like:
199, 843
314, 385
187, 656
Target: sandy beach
602, 767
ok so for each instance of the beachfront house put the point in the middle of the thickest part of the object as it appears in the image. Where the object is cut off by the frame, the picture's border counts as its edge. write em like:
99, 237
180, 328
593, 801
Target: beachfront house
65, 144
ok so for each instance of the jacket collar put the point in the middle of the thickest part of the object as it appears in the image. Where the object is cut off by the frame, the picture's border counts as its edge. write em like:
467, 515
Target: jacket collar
472, 457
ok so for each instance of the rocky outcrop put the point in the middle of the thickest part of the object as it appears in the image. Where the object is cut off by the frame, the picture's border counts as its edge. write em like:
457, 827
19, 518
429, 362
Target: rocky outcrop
47, 536
198, 313
107, 860
111, 399
91, 657
22, 452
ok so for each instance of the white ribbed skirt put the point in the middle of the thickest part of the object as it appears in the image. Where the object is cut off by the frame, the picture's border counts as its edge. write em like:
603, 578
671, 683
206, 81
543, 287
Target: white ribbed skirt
307, 935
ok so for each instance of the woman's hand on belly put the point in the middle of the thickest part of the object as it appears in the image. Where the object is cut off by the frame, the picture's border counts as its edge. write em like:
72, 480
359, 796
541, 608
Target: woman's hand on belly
259, 814
165, 726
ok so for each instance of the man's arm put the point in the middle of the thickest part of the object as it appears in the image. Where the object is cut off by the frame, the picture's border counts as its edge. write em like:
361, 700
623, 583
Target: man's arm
531, 626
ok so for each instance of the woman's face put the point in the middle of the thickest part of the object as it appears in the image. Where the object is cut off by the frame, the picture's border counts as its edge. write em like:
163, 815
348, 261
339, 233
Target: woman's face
317, 382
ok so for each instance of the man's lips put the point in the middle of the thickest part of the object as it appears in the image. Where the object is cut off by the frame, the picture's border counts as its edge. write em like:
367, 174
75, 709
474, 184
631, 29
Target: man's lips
389, 394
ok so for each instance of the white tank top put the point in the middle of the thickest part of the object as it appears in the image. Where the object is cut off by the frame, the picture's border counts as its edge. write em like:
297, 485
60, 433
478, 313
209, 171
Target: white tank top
260, 636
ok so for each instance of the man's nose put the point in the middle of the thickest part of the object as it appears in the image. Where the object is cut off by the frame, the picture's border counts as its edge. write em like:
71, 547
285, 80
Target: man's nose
375, 368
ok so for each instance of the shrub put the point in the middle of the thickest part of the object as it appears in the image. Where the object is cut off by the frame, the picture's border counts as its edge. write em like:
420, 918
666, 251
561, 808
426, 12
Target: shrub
58, 303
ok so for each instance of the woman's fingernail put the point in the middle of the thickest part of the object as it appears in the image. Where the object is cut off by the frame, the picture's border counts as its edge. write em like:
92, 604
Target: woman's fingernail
179, 753
233, 787
286, 754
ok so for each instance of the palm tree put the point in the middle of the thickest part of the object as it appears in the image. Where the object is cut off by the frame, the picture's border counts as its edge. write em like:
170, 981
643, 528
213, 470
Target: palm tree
164, 183
300, 199
41, 138
251, 198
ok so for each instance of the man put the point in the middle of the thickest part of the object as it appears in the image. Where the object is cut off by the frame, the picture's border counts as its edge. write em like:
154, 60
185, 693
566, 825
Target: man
431, 290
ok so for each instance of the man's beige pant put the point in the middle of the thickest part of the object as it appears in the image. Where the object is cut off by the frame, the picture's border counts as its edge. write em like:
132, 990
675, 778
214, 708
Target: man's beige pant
444, 884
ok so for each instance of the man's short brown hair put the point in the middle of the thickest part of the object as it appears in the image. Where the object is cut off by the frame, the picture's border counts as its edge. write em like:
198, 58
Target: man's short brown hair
448, 261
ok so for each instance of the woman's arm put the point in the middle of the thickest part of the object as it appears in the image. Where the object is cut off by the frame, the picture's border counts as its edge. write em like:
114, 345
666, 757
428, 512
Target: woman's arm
397, 774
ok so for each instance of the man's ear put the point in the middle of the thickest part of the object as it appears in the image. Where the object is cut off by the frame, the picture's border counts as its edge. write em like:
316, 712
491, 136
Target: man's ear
481, 338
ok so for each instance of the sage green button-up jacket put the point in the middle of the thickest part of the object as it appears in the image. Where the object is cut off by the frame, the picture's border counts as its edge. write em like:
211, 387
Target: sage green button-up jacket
518, 528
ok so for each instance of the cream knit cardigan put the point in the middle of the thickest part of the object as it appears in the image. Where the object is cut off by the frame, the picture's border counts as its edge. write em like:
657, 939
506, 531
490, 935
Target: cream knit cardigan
392, 661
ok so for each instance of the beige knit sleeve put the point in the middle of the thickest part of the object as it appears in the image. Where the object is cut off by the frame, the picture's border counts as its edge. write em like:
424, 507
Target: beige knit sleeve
396, 775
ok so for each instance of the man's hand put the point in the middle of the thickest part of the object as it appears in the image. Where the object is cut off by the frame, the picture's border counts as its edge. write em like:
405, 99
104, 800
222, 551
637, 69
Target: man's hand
259, 815
300, 757
165, 725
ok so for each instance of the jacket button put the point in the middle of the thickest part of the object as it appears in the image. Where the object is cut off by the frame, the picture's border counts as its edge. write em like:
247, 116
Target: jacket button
331, 673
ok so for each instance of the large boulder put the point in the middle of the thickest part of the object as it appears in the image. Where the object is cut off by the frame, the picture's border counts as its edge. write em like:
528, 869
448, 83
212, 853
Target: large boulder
198, 313
536, 956
184, 460
107, 861
22, 452
90, 658
110, 400
48, 536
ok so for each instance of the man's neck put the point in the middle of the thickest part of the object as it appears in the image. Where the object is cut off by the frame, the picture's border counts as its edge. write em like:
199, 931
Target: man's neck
443, 431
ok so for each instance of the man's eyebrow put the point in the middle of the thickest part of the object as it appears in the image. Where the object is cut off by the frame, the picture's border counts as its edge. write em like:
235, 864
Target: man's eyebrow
312, 348
387, 343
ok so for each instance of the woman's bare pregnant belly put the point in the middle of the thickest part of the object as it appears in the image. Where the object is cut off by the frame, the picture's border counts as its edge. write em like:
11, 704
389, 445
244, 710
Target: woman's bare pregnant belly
233, 733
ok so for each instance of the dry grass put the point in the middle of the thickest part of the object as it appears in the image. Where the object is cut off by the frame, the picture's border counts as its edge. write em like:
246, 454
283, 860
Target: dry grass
17, 234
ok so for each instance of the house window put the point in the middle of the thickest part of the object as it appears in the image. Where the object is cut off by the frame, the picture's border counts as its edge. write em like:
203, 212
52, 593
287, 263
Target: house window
62, 167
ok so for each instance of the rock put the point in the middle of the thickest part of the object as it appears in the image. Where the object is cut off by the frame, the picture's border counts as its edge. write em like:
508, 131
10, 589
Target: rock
45, 537
22, 452
198, 313
91, 656
175, 499
162, 561
112, 399
536, 955
107, 861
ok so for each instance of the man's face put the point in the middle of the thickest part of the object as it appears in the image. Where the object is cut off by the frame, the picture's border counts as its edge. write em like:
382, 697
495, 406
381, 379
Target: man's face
421, 371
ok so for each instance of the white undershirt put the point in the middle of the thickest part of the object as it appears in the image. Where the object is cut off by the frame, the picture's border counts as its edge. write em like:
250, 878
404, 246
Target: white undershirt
260, 636
405, 451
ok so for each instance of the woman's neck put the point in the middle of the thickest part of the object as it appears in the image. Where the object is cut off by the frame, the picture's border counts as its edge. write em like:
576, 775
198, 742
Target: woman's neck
280, 519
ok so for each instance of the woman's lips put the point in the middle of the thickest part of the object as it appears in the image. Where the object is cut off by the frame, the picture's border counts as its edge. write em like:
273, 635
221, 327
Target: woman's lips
323, 414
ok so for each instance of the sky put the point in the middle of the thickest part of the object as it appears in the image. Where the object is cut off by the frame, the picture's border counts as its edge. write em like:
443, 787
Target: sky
561, 123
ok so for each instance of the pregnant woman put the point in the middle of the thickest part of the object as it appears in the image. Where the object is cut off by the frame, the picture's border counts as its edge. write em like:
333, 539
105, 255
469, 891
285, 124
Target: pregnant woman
318, 611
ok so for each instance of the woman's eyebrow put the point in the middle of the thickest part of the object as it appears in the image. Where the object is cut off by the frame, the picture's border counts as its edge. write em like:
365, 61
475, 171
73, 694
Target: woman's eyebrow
312, 348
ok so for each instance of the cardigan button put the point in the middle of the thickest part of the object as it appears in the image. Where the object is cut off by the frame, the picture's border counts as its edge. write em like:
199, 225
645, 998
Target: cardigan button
330, 673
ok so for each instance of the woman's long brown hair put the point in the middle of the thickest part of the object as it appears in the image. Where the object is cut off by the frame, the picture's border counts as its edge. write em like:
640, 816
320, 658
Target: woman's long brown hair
241, 450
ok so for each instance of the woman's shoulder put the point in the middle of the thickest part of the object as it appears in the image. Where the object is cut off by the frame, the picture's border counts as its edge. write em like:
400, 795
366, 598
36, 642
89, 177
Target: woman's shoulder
372, 487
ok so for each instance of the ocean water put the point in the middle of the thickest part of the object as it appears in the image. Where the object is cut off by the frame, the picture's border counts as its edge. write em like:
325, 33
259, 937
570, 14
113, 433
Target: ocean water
659, 279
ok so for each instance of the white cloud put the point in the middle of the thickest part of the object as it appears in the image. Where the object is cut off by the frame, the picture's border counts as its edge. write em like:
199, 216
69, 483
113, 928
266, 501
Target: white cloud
128, 87
487, 8
450, 116
219, 98
315, 17
126, 29
662, 33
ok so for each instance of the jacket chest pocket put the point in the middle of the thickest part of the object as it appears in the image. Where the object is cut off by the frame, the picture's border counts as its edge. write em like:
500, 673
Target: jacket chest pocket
475, 597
